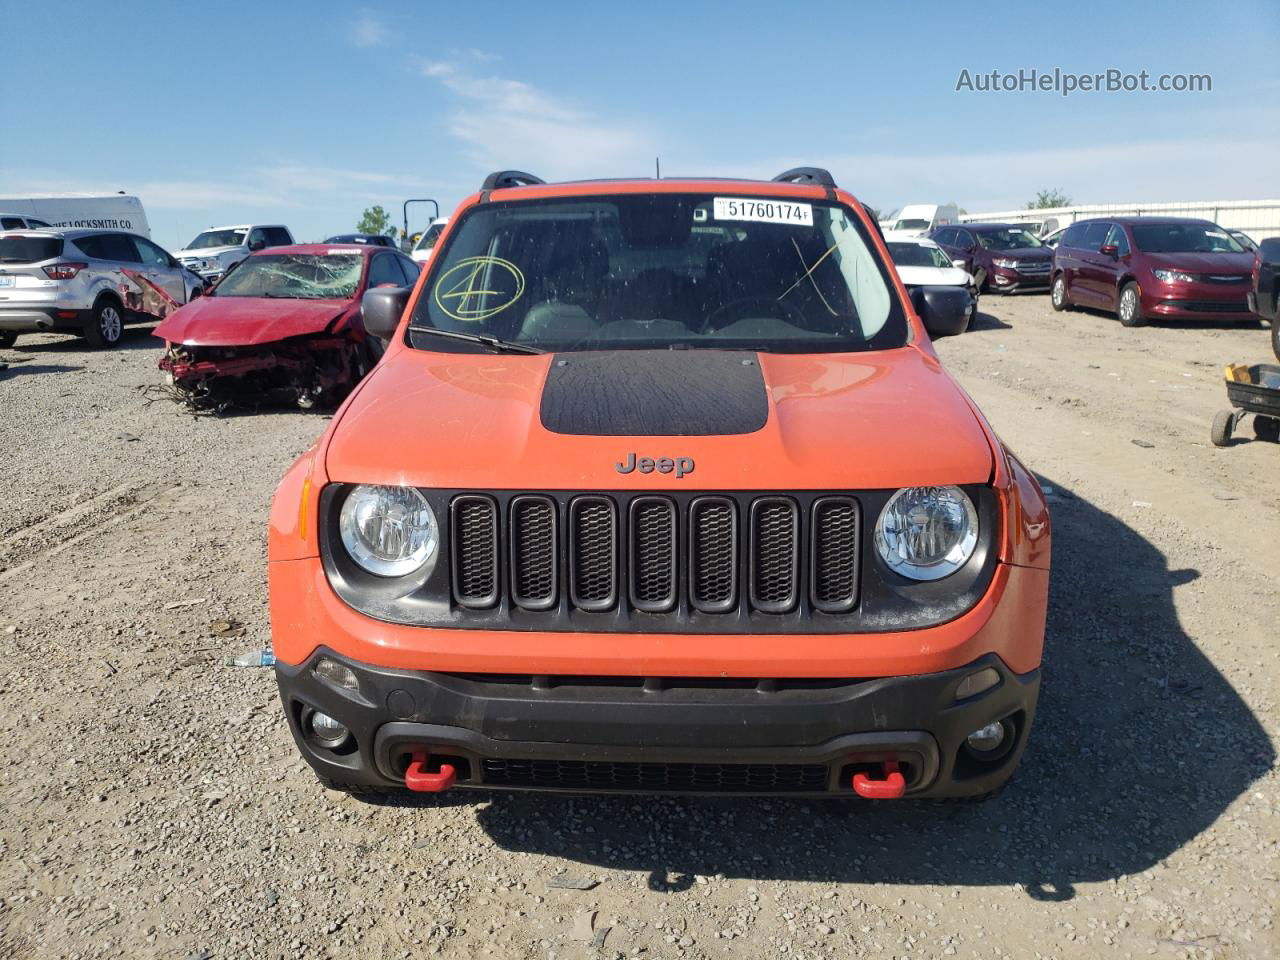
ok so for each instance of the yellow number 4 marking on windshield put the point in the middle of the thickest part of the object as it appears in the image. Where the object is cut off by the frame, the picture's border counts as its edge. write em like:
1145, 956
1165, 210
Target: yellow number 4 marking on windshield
466, 290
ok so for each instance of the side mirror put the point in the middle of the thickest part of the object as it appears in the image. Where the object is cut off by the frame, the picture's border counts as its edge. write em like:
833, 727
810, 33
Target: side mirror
256, 245
1108, 250
197, 292
946, 311
381, 310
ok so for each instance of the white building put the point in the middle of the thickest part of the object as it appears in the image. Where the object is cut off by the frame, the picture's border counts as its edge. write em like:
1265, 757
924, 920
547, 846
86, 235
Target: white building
1258, 218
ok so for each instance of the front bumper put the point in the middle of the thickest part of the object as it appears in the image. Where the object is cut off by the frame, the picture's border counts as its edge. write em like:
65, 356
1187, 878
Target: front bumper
661, 735
1005, 280
1193, 305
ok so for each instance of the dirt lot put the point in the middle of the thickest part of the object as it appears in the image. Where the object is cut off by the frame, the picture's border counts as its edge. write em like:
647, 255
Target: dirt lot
152, 804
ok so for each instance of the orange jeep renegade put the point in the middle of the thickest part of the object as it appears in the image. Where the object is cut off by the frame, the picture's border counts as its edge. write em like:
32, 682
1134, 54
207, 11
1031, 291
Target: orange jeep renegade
660, 487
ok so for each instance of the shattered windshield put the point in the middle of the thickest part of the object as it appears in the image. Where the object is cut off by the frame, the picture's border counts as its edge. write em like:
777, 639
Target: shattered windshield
296, 276
663, 270
217, 238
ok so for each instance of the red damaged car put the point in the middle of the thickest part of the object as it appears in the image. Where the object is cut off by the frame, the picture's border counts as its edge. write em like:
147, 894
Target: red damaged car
283, 325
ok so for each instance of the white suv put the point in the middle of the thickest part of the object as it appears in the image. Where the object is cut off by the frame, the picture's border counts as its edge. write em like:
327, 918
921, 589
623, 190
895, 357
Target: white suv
218, 249
90, 282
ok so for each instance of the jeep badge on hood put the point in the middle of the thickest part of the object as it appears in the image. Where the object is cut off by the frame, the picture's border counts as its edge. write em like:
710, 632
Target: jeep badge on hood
679, 465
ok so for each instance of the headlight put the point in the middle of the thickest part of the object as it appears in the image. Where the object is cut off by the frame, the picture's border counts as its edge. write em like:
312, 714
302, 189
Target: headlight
1173, 276
927, 533
390, 531
1007, 264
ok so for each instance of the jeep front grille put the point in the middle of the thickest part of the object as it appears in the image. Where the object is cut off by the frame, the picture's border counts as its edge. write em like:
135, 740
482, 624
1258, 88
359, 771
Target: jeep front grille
656, 554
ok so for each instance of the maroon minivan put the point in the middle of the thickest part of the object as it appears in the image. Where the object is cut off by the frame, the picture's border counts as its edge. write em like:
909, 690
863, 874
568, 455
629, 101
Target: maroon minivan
1146, 268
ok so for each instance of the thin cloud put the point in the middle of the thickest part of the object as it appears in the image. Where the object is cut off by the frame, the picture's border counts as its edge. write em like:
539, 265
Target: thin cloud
509, 123
369, 31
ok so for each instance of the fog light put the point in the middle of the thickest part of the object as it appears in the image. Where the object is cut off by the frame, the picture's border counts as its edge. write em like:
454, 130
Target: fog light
324, 727
987, 739
976, 683
338, 674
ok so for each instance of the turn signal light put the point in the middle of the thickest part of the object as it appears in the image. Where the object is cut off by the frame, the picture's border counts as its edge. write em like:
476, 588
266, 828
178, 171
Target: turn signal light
64, 271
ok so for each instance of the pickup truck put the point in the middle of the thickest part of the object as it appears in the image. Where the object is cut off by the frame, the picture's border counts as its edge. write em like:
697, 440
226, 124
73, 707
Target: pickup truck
215, 251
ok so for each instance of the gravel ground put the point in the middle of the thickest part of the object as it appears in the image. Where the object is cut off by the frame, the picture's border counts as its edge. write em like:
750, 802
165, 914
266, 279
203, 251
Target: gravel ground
153, 804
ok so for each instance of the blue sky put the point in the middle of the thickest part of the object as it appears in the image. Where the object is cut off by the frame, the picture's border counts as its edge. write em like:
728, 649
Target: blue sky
306, 113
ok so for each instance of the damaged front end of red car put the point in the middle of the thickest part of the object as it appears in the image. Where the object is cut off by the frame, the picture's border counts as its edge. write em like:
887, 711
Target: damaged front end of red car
306, 371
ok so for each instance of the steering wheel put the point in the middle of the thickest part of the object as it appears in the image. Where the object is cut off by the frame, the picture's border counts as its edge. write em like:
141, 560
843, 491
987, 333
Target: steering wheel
736, 310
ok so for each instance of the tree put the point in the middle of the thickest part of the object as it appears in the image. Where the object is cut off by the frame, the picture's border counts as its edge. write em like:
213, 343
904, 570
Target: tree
1049, 198
376, 220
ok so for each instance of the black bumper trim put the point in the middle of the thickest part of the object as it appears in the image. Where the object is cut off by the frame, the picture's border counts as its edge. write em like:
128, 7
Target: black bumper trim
914, 719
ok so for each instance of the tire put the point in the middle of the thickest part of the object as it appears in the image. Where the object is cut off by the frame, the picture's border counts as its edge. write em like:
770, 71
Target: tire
1058, 295
1223, 424
1266, 428
1129, 306
980, 278
8, 338
107, 326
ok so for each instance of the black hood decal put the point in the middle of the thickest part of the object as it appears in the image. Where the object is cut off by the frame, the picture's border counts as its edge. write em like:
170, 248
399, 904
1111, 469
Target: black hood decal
646, 393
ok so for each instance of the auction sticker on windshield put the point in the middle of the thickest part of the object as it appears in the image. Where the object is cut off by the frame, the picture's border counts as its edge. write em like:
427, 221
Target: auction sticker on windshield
764, 211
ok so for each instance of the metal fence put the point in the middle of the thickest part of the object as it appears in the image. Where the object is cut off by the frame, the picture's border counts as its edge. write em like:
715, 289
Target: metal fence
1258, 218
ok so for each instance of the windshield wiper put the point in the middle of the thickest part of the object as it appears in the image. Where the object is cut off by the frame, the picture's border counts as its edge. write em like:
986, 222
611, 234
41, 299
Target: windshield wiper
493, 343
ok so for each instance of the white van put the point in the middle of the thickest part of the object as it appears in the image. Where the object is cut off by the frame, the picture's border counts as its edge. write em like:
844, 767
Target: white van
73, 212
923, 217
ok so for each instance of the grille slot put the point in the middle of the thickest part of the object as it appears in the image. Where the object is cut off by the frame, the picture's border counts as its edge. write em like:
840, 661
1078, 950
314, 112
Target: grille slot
534, 553
833, 577
653, 554
475, 551
593, 552
1239, 305
775, 554
676, 777
713, 554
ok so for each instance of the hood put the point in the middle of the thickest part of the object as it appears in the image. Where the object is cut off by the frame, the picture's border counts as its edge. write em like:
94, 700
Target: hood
246, 321
207, 252
828, 421
925, 276
1024, 253
1225, 263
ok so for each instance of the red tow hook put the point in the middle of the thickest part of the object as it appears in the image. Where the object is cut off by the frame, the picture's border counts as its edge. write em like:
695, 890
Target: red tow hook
418, 778
890, 788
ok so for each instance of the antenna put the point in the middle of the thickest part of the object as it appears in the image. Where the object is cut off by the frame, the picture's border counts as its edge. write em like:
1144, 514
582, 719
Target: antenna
657, 168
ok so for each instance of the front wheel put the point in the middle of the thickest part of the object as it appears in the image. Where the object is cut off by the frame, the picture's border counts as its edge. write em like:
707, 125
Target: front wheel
1275, 336
1130, 307
107, 326
7, 339
1058, 293
1223, 423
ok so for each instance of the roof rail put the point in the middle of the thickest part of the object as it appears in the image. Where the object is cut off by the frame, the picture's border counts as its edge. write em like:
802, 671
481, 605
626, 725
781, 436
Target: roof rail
815, 175
502, 179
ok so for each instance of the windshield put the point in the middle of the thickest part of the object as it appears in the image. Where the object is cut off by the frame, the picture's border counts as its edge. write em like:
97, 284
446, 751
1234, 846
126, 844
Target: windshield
217, 238
428, 239
917, 255
1183, 238
911, 225
296, 276
663, 270
1008, 238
